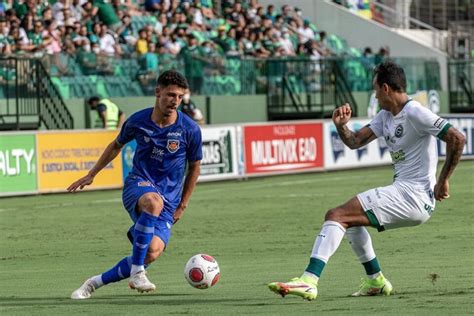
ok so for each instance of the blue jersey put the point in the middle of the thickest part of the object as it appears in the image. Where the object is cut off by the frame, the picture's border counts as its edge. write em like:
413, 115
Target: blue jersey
162, 153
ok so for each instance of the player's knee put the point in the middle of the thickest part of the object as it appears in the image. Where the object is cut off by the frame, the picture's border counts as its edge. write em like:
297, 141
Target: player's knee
152, 203
333, 214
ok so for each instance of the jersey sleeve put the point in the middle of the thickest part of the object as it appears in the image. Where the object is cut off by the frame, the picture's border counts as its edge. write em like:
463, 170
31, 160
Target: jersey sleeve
376, 125
426, 122
101, 108
126, 133
194, 150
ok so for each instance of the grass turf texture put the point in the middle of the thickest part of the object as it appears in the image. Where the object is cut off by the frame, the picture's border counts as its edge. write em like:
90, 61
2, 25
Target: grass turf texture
259, 231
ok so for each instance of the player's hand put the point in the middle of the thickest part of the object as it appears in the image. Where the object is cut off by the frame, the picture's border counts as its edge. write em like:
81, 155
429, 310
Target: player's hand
81, 183
441, 191
178, 213
342, 114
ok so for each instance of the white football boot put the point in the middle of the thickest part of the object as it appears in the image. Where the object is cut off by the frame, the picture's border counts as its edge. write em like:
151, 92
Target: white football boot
85, 291
140, 282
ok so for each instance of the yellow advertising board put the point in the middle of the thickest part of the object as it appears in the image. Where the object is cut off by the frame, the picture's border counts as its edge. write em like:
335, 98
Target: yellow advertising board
64, 157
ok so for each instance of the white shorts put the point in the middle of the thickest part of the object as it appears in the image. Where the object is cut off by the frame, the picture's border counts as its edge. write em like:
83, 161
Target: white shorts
397, 205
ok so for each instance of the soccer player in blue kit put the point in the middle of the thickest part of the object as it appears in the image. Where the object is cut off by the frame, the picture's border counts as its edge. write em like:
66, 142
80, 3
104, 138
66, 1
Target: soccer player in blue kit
157, 191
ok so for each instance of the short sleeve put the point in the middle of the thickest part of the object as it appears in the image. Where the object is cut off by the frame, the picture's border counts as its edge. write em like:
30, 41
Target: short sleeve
101, 107
126, 133
426, 122
376, 125
194, 150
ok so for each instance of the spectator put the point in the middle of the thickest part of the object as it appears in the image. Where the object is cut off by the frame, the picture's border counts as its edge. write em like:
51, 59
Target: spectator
381, 55
53, 46
126, 31
107, 43
76, 10
5, 47
194, 64
141, 46
305, 33
153, 6
81, 40
367, 58
287, 44
110, 116
107, 15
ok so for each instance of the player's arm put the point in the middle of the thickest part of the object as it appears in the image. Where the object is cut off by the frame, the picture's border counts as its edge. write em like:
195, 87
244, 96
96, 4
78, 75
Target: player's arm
454, 146
194, 169
121, 120
109, 154
353, 140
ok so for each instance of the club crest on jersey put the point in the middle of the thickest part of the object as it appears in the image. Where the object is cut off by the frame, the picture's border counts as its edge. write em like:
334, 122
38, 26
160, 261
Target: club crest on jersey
173, 145
399, 131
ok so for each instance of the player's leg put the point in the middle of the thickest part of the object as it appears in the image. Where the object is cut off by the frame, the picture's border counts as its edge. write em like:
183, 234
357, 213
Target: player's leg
149, 207
337, 220
119, 272
361, 244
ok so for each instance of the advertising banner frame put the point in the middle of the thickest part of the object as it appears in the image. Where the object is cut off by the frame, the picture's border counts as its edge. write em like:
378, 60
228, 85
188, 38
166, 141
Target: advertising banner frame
32, 135
288, 141
83, 166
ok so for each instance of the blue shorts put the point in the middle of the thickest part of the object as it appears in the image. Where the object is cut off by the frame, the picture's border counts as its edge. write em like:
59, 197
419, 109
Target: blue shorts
133, 189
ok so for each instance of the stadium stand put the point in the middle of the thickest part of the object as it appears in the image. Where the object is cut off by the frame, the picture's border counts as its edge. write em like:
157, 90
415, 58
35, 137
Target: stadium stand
116, 49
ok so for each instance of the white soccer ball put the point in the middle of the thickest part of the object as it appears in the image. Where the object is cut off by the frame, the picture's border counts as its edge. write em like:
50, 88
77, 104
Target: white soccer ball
202, 271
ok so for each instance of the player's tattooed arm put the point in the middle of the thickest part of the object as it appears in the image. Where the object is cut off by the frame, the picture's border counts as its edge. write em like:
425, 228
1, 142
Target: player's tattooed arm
454, 146
355, 140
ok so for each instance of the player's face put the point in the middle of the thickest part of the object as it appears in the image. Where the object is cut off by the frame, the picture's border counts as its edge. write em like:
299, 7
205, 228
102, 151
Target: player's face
169, 98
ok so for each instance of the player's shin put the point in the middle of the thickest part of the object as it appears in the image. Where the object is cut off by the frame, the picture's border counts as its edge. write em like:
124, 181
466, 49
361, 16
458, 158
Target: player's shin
325, 246
361, 243
119, 272
143, 234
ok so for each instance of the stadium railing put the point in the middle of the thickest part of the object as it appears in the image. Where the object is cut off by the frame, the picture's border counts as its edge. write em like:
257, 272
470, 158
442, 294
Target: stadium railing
30, 98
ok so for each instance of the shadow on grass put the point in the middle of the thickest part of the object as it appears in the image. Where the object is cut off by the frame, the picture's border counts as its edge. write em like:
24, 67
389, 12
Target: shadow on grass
157, 299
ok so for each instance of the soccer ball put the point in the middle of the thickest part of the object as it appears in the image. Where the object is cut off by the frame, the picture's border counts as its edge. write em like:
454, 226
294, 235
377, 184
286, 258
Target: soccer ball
202, 271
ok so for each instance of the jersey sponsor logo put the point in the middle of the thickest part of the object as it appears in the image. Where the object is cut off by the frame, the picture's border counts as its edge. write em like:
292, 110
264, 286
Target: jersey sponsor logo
157, 154
397, 156
399, 131
439, 122
144, 184
173, 145
173, 134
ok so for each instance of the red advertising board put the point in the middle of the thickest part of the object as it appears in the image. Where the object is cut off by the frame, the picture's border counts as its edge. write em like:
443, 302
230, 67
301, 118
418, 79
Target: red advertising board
283, 147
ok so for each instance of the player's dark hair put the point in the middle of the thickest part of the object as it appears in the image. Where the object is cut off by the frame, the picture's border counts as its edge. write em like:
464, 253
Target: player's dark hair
93, 99
392, 74
172, 77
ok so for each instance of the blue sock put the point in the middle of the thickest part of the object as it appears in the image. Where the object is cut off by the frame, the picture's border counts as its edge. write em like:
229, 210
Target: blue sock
142, 236
119, 272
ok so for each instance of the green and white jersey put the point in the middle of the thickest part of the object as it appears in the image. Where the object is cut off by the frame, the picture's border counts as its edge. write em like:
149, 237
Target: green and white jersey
410, 139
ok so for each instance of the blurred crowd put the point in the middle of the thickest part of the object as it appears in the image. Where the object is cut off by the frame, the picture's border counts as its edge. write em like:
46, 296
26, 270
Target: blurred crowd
176, 27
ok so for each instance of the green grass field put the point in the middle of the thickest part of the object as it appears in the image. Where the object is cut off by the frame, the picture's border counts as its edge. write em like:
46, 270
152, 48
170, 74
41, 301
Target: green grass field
260, 230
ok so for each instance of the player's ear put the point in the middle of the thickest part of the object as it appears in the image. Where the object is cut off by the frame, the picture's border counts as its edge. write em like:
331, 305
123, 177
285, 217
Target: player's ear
157, 92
